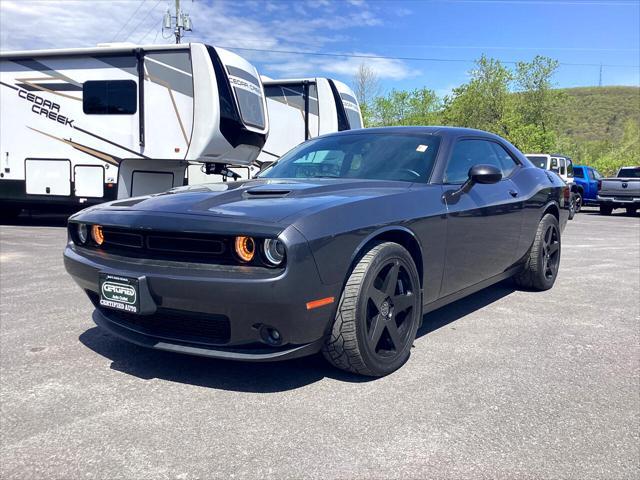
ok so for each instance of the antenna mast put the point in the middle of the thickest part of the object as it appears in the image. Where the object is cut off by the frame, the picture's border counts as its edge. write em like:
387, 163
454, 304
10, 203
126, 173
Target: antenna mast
182, 22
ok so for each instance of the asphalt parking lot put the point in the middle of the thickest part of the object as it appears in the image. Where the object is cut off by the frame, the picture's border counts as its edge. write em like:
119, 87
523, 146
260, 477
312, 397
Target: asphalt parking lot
504, 384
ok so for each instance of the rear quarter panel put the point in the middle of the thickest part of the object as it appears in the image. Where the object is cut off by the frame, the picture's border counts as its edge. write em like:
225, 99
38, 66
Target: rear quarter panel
539, 190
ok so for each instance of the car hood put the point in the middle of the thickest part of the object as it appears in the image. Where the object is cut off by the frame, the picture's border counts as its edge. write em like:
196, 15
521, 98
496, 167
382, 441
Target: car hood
261, 200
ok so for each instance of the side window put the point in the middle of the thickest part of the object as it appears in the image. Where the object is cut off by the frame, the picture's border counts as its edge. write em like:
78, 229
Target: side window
109, 97
563, 165
506, 162
569, 168
578, 172
468, 153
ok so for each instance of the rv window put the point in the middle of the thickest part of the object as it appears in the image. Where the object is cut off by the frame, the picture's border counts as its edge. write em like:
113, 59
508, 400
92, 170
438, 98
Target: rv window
354, 118
109, 97
250, 107
292, 95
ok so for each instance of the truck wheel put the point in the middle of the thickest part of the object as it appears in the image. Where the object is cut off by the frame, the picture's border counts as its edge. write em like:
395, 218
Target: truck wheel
572, 206
378, 314
578, 201
631, 210
606, 209
541, 268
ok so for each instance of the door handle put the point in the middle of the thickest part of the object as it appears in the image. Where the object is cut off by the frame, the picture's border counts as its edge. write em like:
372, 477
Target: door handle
513, 193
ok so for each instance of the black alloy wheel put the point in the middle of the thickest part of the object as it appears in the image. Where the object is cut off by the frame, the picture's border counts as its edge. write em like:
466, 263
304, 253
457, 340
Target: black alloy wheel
551, 252
379, 313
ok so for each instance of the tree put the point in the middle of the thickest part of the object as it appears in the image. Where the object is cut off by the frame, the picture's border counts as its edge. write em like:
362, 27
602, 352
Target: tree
400, 107
366, 86
534, 122
484, 102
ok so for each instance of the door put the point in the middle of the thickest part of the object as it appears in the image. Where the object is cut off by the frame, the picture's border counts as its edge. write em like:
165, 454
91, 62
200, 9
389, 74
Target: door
88, 181
483, 224
563, 169
592, 183
48, 177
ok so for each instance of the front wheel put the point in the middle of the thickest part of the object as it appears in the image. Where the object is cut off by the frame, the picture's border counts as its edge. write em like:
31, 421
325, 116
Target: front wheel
378, 314
541, 268
578, 202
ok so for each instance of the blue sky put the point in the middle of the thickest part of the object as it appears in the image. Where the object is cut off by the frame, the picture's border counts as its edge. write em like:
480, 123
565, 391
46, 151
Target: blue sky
571, 31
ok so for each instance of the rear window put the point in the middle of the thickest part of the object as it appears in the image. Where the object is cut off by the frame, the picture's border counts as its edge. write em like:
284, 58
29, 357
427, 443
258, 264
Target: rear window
109, 97
629, 172
540, 162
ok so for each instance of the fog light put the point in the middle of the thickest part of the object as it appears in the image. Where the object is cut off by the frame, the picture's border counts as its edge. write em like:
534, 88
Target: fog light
245, 248
97, 234
83, 233
270, 335
274, 251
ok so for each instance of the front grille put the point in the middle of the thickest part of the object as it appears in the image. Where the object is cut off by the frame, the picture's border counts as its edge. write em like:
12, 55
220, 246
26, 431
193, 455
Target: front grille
190, 327
168, 246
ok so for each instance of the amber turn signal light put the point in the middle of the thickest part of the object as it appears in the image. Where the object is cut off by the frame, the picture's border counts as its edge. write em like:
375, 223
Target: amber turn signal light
97, 234
245, 248
320, 303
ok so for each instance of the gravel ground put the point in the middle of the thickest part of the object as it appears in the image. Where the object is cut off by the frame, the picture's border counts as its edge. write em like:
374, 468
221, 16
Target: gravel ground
503, 384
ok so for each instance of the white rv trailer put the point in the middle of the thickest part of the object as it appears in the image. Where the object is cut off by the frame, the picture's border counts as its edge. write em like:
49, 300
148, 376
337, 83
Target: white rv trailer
74, 123
299, 109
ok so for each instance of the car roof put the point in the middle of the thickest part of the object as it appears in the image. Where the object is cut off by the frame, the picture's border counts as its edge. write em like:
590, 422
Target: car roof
427, 130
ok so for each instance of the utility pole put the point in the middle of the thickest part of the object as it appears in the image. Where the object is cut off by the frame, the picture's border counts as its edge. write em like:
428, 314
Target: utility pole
182, 22
600, 81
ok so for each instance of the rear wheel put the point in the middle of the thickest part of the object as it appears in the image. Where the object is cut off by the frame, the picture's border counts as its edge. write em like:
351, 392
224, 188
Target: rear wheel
541, 268
606, 209
572, 206
378, 314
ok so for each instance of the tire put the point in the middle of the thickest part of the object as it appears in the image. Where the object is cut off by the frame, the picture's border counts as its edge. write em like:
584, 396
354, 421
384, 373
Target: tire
578, 202
631, 210
572, 206
377, 320
541, 267
606, 209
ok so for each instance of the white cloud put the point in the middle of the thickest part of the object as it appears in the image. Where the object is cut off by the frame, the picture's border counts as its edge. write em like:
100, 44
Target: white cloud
266, 25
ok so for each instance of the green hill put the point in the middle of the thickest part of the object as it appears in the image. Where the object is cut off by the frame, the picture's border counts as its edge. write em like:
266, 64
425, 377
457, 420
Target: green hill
597, 113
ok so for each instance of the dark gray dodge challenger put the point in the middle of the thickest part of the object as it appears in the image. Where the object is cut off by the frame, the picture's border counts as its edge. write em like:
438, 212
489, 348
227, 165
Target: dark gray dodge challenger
341, 247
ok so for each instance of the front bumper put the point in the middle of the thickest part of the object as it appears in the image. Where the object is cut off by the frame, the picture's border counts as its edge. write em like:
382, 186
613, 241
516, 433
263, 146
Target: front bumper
214, 310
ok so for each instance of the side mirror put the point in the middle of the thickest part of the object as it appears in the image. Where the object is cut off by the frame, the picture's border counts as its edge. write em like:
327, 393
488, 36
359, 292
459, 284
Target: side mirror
484, 174
481, 173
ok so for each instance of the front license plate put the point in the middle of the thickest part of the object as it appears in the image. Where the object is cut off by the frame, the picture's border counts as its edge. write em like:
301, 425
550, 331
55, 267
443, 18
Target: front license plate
119, 293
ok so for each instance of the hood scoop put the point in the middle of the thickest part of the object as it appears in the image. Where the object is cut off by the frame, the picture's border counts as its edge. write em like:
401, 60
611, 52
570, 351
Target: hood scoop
266, 191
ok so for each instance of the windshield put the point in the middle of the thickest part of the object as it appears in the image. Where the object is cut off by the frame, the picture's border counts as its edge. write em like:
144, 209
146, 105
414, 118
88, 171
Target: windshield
540, 162
629, 172
376, 156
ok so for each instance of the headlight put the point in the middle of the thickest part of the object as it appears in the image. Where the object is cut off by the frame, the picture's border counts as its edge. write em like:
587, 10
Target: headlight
97, 234
274, 251
245, 248
83, 233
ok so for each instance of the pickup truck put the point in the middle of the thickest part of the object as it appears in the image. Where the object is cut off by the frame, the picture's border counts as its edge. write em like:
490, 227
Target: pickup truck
621, 191
586, 180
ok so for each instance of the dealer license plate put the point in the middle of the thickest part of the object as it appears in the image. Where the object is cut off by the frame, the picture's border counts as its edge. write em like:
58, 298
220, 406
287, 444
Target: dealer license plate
119, 293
